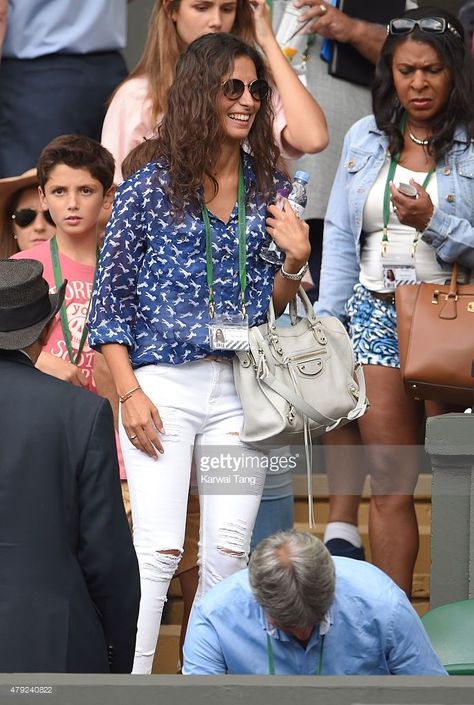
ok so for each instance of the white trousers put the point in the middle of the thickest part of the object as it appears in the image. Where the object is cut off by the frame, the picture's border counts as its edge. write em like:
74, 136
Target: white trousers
202, 417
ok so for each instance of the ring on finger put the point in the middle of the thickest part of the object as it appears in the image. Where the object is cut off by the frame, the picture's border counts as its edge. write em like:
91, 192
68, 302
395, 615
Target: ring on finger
132, 438
394, 210
323, 9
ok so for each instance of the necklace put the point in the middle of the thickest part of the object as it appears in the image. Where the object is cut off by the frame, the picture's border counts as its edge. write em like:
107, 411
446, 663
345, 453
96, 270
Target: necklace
422, 143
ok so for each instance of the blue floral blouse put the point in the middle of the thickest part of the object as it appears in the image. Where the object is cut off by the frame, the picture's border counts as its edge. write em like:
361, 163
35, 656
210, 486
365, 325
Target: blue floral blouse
151, 288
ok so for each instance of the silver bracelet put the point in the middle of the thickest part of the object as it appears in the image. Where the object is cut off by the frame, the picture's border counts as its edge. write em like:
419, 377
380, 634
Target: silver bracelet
297, 276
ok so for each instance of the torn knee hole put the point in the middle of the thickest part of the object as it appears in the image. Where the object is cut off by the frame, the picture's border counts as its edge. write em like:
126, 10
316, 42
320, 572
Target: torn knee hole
233, 540
231, 553
170, 552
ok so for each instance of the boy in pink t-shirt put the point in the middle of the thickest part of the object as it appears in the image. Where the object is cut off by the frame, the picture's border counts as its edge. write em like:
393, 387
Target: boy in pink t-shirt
75, 174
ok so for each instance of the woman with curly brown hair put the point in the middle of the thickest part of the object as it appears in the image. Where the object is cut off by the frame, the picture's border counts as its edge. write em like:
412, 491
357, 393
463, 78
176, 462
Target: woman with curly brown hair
139, 103
181, 261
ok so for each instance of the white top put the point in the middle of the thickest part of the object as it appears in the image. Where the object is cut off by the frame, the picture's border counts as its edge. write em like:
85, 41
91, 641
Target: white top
400, 237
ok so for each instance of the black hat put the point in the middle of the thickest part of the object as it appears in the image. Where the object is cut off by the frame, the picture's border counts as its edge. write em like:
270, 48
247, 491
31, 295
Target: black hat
26, 305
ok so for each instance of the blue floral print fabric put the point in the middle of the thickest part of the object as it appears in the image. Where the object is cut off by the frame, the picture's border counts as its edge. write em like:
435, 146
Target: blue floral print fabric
373, 329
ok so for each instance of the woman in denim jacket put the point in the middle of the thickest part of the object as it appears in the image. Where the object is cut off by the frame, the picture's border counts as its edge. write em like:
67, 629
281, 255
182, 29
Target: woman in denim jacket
376, 237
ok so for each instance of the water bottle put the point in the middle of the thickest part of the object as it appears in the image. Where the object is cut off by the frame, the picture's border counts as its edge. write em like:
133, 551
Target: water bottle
297, 199
292, 43
298, 196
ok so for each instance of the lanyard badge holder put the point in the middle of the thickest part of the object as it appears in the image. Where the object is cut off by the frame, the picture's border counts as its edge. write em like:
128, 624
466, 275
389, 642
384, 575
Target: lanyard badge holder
397, 269
228, 331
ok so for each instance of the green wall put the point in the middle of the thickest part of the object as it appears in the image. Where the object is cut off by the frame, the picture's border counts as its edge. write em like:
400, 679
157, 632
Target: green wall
138, 14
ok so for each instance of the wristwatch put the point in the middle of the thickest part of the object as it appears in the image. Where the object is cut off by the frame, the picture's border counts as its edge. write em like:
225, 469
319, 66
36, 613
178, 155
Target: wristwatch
297, 276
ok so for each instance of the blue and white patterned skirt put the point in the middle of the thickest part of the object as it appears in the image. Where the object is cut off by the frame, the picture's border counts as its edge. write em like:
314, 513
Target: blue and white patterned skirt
372, 329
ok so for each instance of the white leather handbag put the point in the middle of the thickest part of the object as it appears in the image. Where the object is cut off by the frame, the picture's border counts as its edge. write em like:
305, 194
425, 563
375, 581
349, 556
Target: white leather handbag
298, 382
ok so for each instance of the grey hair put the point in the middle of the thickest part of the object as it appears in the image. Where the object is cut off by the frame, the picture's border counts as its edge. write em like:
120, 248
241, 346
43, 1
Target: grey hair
292, 577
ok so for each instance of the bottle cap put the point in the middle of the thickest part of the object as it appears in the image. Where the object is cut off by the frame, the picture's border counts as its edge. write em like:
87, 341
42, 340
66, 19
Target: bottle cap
302, 176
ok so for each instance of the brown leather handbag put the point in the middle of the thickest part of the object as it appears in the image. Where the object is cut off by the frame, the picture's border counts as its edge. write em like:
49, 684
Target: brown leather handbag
435, 325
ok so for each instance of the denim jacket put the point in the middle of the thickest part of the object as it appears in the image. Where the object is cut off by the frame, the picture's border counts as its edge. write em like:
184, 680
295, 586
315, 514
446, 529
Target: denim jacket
450, 231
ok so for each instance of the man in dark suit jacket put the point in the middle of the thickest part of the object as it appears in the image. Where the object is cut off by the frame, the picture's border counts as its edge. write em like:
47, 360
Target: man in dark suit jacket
69, 582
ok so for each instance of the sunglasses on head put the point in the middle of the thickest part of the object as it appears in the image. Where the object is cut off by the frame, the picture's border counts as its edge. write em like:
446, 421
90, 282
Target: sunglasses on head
25, 216
429, 25
233, 88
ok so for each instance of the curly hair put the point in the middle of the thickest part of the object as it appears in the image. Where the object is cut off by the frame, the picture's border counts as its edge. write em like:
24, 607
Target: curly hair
459, 110
163, 47
190, 136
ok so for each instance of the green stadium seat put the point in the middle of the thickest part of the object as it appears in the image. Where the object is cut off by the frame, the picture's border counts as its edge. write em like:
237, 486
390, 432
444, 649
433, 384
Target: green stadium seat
451, 631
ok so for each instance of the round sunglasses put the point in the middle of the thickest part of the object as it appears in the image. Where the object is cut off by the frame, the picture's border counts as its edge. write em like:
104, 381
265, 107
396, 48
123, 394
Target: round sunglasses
429, 25
25, 216
234, 88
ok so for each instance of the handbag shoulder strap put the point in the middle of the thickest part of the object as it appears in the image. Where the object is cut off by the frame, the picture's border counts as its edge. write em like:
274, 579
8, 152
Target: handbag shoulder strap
304, 408
308, 307
455, 277
453, 285
300, 404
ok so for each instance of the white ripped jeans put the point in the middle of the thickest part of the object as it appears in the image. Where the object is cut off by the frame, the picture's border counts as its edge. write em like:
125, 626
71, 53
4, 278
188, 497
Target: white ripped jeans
202, 417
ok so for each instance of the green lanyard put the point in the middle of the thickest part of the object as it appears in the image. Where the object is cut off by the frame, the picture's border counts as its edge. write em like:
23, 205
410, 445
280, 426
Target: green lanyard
386, 199
242, 249
53, 245
271, 660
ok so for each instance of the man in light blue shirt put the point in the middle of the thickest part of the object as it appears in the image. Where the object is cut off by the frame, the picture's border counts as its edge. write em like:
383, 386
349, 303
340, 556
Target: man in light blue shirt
298, 611
61, 61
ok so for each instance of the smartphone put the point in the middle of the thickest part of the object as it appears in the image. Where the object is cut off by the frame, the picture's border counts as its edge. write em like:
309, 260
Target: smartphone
408, 190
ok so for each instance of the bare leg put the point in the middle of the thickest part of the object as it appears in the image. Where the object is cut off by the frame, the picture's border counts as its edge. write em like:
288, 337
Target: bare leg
390, 432
345, 472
